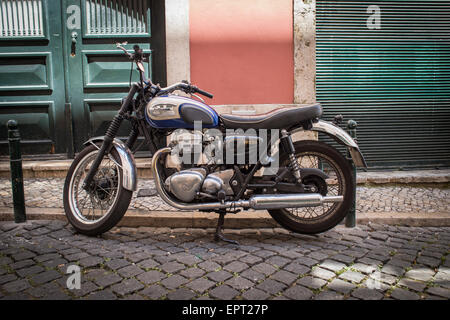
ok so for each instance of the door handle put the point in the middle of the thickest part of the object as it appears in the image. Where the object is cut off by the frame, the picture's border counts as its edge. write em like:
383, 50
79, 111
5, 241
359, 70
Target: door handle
74, 37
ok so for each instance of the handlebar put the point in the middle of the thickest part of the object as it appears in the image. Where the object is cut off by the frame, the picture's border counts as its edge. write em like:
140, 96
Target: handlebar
186, 87
137, 56
119, 46
202, 92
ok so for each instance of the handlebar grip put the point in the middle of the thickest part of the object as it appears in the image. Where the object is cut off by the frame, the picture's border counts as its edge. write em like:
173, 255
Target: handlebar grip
206, 94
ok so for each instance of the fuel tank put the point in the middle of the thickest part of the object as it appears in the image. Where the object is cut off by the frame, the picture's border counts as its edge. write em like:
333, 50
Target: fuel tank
174, 111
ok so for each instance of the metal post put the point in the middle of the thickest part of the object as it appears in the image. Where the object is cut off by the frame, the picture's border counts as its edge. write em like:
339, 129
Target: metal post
350, 220
16, 172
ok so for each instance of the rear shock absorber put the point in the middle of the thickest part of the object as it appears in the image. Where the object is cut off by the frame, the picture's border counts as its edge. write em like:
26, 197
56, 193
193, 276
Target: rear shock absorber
288, 147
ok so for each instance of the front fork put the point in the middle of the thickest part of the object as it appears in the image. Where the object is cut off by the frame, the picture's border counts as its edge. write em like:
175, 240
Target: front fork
109, 137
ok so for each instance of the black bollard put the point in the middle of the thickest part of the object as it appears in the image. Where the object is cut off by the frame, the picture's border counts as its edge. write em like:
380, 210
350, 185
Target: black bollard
16, 172
350, 220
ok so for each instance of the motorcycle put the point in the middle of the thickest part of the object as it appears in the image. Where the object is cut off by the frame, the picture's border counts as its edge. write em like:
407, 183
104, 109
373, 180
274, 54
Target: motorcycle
308, 191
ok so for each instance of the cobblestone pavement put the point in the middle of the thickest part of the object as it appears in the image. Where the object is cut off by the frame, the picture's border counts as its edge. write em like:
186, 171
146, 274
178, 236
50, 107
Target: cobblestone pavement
47, 193
367, 262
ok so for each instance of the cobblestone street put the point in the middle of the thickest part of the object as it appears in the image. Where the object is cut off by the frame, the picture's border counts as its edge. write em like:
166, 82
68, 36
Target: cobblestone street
47, 193
367, 262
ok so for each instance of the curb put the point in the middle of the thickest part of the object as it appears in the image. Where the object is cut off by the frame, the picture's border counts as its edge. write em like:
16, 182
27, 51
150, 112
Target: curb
404, 177
242, 220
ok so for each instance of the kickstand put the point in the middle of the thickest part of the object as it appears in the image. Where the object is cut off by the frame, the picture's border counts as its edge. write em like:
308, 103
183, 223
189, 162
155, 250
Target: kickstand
218, 235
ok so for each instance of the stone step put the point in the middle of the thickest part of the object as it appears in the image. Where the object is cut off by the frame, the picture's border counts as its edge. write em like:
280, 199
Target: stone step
59, 168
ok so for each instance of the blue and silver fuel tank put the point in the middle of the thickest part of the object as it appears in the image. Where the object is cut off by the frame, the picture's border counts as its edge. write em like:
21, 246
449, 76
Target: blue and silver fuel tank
174, 111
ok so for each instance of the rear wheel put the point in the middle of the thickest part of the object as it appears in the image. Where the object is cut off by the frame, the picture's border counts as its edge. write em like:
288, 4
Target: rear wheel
95, 211
311, 220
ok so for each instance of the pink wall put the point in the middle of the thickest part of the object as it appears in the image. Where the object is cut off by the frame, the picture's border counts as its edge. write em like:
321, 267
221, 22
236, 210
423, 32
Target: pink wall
242, 50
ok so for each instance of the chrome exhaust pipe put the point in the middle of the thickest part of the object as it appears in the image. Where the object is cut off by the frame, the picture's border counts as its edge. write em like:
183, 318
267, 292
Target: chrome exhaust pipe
257, 202
298, 200
182, 205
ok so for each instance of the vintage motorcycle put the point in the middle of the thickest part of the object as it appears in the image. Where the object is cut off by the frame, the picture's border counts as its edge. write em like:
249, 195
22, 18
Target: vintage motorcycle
309, 191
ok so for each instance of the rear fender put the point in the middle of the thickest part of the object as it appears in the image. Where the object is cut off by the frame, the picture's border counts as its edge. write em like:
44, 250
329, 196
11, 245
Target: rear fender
341, 137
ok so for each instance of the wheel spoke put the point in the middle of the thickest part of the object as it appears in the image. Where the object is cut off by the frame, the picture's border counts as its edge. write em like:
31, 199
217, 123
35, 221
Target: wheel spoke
334, 184
92, 205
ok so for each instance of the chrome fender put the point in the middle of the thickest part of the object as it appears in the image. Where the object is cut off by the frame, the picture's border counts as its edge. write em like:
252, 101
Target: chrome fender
128, 164
343, 138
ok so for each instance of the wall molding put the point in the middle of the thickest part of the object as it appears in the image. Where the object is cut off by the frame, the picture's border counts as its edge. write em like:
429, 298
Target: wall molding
177, 41
304, 51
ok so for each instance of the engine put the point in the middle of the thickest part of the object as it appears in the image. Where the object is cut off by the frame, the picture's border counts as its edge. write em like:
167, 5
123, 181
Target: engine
197, 149
187, 185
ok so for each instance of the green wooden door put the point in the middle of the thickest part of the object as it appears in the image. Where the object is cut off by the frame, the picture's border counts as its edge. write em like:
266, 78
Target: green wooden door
386, 64
31, 75
98, 73
61, 76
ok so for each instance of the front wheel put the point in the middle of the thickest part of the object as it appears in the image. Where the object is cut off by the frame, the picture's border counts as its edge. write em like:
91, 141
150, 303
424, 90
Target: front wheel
311, 220
95, 211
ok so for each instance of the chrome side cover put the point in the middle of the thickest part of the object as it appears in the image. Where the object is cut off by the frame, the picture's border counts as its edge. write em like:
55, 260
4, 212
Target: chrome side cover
128, 164
185, 184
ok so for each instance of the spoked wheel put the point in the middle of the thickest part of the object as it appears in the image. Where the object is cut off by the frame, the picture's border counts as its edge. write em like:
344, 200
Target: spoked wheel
99, 209
339, 181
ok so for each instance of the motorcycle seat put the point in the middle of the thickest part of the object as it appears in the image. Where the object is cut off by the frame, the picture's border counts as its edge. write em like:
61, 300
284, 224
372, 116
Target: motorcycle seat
280, 118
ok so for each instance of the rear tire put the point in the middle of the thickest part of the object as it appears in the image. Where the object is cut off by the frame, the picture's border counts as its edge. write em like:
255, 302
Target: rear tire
321, 223
116, 211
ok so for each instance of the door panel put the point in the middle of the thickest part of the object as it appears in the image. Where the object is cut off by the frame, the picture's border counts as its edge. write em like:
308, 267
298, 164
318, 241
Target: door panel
109, 68
116, 18
99, 113
31, 75
23, 19
25, 70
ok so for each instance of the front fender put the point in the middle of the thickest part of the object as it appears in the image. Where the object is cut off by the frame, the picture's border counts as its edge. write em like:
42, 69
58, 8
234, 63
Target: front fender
343, 138
128, 164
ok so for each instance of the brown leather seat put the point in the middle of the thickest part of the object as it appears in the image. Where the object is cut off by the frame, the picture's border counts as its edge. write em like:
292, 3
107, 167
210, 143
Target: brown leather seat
281, 118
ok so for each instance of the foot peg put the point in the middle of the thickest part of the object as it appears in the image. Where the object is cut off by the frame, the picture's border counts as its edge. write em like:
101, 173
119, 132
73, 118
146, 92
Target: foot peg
218, 235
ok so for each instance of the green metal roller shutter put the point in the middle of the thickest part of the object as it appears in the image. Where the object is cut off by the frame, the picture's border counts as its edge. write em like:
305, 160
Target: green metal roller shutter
393, 80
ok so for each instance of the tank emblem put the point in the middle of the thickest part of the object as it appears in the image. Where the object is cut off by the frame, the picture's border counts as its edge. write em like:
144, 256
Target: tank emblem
164, 110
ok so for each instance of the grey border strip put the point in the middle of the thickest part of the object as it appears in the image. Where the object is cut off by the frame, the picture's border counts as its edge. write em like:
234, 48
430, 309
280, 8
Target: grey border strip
177, 41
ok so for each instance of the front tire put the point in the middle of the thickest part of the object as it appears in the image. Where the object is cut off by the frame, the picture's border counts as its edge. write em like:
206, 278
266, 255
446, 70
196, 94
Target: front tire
97, 211
341, 180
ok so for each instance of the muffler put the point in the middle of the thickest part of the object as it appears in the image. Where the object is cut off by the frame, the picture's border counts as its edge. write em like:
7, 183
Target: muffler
257, 202
296, 200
